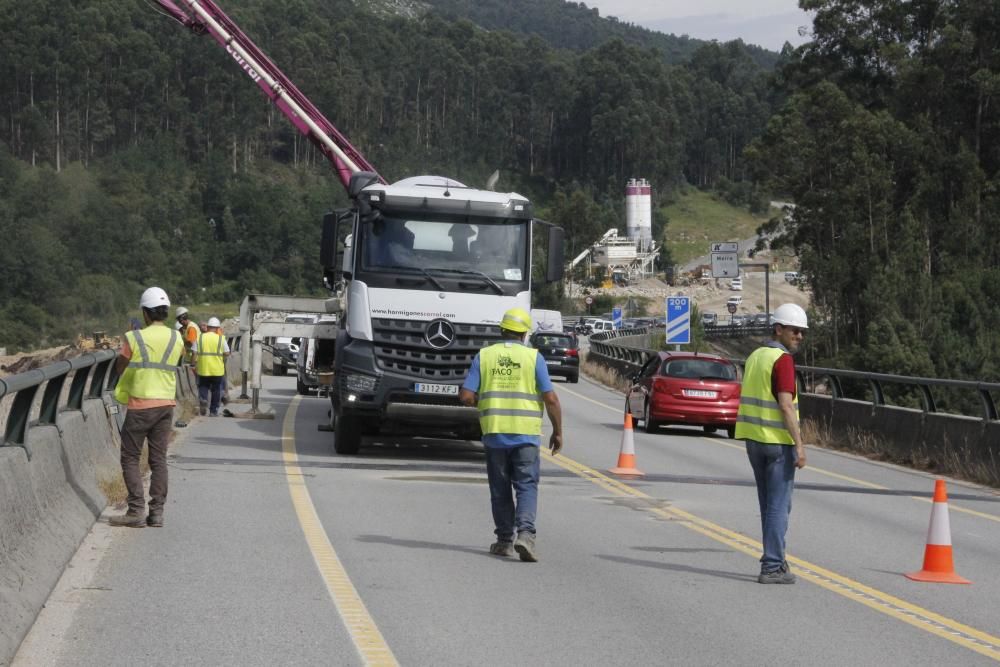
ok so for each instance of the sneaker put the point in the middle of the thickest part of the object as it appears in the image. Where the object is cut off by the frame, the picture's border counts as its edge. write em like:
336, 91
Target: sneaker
155, 520
128, 520
505, 549
202, 408
780, 576
525, 547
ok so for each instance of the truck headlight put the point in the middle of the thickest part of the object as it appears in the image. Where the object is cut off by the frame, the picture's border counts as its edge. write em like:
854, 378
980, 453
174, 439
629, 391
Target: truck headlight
360, 383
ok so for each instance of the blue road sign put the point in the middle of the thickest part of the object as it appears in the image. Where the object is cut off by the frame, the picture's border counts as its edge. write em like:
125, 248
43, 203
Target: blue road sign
678, 320
616, 317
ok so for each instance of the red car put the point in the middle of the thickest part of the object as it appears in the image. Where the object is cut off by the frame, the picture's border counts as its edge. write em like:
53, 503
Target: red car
686, 388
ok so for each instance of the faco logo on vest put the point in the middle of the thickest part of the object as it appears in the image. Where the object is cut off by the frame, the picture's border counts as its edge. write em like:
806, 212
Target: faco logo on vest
506, 364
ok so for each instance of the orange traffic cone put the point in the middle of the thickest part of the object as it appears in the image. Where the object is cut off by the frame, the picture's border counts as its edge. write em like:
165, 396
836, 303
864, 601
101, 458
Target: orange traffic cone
626, 458
938, 566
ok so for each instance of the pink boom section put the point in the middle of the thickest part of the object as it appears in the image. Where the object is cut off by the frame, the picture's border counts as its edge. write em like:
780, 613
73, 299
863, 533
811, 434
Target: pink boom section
343, 171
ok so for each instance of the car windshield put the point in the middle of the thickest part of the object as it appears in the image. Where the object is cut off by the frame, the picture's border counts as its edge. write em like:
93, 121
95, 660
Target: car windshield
699, 369
490, 249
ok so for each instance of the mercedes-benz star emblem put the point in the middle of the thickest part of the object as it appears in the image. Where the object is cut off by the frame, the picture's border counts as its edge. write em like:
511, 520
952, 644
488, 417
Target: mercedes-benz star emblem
440, 334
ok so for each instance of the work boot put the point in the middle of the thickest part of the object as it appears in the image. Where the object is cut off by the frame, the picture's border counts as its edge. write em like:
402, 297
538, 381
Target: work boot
203, 408
128, 520
779, 576
155, 519
525, 547
502, 548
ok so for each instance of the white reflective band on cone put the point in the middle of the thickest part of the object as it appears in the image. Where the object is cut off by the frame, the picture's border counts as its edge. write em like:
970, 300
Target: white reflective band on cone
939, 532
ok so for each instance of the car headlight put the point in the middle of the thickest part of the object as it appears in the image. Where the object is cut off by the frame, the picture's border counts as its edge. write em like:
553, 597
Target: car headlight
360, 383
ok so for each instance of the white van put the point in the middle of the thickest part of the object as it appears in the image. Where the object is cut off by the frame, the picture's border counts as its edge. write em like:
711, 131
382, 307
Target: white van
546, 320
735, 300
736, 284
603, 325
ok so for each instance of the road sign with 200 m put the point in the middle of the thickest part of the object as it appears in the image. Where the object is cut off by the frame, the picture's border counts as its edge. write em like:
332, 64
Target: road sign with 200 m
678, 320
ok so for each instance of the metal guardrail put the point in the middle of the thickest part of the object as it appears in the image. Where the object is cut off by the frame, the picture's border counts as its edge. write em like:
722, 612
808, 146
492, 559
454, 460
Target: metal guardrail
810, 377
24, 387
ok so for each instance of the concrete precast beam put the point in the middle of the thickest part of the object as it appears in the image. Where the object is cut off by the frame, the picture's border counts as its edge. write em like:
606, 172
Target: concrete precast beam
269, 329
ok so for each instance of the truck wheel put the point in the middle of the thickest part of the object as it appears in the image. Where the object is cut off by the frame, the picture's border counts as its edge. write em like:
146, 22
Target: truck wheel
347, 435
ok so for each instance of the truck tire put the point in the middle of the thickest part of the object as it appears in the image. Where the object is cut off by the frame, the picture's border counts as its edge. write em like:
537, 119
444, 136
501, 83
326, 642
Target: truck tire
347, 435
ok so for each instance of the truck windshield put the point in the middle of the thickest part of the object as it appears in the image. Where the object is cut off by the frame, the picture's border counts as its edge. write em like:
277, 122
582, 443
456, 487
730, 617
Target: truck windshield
448, 250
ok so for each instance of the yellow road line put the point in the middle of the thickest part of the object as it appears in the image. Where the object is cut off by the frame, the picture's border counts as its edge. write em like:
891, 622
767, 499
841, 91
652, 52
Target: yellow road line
954, 631
370, 643
821, 471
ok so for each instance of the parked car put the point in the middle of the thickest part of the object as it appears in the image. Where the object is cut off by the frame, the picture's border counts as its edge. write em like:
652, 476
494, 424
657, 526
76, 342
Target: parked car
285, 350
684, 388
740, 320
736, 284
791, 277
709, 319
561, 353
736, 300
762, 319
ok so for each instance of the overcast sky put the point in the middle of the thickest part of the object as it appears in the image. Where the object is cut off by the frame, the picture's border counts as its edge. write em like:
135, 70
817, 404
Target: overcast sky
768, 23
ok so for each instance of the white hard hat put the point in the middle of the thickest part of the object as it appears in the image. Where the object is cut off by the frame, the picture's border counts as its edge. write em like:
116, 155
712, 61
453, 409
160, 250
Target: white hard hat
792, 315
154, 297
214, 322
181, 310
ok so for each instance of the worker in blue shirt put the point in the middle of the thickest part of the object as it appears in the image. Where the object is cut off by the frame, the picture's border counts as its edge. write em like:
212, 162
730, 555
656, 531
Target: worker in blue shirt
509, 383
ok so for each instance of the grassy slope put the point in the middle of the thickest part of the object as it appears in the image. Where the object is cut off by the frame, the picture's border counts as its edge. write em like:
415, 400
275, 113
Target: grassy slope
698, 218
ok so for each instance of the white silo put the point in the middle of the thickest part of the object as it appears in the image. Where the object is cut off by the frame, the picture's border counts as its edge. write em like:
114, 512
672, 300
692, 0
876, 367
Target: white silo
638, 210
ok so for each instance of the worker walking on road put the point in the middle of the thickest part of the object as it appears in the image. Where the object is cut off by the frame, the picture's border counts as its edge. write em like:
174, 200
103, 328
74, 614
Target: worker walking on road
768, 420
146, 367
210, 353
509, 383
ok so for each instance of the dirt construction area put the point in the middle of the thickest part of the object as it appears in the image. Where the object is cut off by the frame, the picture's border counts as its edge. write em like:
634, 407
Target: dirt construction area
711, 295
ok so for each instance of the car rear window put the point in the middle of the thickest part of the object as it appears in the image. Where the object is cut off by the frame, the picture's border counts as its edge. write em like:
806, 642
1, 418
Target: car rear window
699, 369
549, 340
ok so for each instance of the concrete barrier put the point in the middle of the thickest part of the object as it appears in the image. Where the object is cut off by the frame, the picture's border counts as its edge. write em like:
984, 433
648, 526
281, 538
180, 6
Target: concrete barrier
48, 505
966, 447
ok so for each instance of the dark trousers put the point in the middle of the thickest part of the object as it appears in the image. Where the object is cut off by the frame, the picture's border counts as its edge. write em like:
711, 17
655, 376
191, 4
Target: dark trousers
211, 385
152, 425
510, 470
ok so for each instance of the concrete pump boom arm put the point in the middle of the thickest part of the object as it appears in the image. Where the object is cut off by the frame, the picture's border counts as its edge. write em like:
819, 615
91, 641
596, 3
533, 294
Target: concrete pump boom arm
203, 16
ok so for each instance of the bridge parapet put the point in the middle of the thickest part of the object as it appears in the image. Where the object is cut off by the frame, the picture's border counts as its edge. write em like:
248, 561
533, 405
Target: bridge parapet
947, 426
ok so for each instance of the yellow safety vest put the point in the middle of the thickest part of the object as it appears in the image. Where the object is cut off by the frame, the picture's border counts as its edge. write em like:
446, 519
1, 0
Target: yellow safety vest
509, 401
151, 371
211, 356
759, 417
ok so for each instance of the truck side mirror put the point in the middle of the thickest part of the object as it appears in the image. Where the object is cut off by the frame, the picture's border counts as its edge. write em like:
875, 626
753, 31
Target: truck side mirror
554, 269
328, 242
334, 246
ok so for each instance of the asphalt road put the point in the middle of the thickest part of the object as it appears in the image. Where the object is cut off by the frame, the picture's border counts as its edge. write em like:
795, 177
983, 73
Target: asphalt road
656, 571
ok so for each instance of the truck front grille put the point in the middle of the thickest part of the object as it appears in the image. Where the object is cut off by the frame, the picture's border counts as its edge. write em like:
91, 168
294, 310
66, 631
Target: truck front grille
400, 347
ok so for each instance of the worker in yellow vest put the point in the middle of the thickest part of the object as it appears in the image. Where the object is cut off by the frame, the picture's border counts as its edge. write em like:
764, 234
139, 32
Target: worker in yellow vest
768, 420
147, 369
210, 353
509, 383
